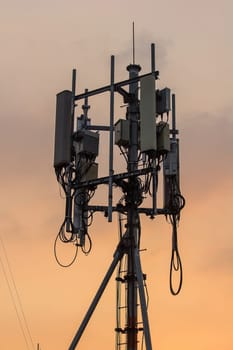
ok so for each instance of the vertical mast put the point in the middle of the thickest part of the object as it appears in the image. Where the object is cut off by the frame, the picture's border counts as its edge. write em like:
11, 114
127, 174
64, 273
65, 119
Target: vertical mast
132, 216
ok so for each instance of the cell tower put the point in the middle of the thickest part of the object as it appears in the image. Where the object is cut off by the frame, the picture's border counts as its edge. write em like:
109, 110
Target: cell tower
149, 145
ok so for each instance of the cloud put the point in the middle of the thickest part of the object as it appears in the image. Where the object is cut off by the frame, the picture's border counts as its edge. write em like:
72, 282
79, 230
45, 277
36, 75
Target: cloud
206, 151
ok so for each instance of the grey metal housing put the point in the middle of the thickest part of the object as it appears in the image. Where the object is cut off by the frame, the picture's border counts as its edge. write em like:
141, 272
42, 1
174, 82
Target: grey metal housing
63, 129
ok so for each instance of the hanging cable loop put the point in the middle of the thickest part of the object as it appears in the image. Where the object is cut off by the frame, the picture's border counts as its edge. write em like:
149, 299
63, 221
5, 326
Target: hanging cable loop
56, 256
176, 264
86, 250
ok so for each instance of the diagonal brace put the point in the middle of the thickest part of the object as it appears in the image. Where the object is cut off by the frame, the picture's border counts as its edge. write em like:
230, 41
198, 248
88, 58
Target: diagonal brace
142, 300
120, 251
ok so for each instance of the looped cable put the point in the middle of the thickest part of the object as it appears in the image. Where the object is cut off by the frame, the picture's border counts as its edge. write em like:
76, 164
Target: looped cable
83, 247
175, 265
56, 257
62, 234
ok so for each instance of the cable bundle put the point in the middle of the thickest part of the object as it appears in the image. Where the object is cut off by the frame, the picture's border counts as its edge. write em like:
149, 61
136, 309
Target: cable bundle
67, 177
176, 204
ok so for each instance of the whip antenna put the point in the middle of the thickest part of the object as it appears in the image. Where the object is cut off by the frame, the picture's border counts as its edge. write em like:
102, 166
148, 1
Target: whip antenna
133, 45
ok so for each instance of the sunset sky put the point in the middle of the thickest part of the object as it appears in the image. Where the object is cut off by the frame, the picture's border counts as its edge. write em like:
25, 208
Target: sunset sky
41, 42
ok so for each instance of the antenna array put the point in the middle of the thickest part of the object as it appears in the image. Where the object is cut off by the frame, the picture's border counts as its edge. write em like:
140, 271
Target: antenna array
149, 145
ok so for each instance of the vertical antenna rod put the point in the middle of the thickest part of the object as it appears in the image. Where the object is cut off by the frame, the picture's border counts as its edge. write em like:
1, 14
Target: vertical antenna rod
173, 116
152, 57
154, 177
133, 45
68, 195
73, 96
111, 140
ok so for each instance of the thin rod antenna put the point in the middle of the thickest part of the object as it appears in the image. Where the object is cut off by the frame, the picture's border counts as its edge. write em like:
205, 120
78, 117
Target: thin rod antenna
152, 57
73, 96
174, 116
111, 171
154, 177
133, 45
68, 197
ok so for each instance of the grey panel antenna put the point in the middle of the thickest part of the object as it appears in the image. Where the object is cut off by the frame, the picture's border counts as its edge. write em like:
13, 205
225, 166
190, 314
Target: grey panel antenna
163, 101
63, 129
147, 115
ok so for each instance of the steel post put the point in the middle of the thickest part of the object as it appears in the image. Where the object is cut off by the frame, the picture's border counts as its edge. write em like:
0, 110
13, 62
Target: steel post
132, 216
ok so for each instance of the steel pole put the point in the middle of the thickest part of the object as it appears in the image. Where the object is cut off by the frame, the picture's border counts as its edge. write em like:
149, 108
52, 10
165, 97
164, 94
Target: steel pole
132, 215
111, 171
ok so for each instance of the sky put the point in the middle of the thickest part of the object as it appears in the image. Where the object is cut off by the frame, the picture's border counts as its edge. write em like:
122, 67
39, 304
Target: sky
41, 42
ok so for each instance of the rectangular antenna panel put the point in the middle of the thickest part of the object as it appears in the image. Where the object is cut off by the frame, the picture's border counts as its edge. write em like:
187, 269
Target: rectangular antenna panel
87, 142
148, 140
163, 137
171, 171
92, 173
163, 101
171, 162
122, 132
63, 129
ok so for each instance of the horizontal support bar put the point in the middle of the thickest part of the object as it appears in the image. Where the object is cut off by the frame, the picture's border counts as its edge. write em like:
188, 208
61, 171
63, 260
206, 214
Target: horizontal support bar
115, 178
146, 211
98, 127
116, 86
